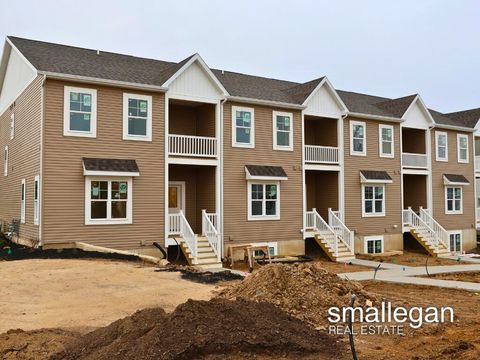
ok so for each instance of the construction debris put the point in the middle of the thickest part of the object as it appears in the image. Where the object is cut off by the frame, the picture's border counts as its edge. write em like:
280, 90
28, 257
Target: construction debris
202, 276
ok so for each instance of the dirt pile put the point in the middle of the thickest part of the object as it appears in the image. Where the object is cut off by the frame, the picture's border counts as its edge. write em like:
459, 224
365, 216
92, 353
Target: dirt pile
206, 329
304, 290
33, 345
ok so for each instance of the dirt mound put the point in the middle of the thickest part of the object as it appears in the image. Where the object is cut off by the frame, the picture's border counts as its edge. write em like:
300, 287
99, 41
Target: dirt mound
37, 344
304, 290
206, 329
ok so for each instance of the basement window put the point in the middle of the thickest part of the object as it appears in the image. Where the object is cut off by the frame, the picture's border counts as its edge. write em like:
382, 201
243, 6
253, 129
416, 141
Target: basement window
108, 201
374, 244
80, 112
455, 238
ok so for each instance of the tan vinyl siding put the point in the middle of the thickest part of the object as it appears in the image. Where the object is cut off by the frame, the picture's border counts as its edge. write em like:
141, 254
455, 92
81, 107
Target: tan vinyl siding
237, 227
353, 189
453, 221
23, 159
64, 185
189, 120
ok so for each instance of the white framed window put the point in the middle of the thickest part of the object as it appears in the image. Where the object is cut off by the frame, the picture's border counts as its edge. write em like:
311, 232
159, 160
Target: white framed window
108, 200
373, 200
358, 138
12, 126
282, 131
441, 145
462, 148
263, 200
455, 242
36, 200
5, 161
80, 112
272, 249
386, 141
373, 244
137, 117
453, 200
243, 127
23, 200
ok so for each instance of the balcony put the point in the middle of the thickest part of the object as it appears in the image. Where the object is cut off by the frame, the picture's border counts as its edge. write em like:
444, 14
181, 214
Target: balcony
412, 160
192, 146
321, 154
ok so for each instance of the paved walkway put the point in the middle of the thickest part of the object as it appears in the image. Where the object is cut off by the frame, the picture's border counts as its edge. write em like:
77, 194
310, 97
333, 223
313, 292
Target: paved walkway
410, 274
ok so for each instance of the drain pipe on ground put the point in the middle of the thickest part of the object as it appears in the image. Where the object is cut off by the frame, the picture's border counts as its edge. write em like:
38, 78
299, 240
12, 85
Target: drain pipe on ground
426, 265
375, 271
350, 328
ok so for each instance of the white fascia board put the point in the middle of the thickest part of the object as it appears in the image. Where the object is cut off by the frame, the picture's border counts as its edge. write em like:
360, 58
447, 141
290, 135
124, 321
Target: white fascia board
326, 82
364, 180
110, 173
453, 127
415, 172
202, 63
321, 167
245, 100
374, 117
264, 178
99, 81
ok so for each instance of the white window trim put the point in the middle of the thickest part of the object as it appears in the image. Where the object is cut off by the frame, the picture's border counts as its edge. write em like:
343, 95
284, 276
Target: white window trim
374, 214
12, 126
88, 220
449, 212
437, 135
352, 151
5, 160
455, 232
36, 201
126, 135
249, 201
366, 239
273, 245
464, 161
380, 141
66, 114
290, 139
250, 145
23, 200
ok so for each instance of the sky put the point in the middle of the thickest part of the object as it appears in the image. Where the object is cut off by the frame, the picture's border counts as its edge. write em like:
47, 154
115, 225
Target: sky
384, 48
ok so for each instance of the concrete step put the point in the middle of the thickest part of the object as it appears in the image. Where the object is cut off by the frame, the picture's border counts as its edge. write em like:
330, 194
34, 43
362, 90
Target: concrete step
207, 261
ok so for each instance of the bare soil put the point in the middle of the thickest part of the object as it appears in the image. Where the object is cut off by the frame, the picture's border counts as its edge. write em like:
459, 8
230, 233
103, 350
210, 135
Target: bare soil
469, 276
411, 258
81, 295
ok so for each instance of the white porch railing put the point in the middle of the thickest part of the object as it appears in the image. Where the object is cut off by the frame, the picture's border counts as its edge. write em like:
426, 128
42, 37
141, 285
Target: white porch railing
440, 232
316, 223
195, 146
321, 154
413, 220
210, 231
414, 160
343, 233
477, 163
174, 224
188, 235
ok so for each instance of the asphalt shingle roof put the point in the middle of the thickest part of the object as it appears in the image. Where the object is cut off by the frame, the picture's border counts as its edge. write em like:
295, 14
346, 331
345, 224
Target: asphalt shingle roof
265, 170
467, 117
120, 165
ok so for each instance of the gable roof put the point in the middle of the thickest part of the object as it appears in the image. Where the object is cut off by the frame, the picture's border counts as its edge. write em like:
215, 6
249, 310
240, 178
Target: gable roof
468, 118
397, 107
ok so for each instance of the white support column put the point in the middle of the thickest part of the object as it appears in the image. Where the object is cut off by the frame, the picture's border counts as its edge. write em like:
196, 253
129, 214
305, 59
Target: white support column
166, 127
341, 175
429, 176
304, 186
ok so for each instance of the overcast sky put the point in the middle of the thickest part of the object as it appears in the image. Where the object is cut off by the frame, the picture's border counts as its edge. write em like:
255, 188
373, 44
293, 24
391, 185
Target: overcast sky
387, 48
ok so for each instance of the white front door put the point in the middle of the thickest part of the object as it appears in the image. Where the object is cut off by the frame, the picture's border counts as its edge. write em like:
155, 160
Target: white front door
176, 196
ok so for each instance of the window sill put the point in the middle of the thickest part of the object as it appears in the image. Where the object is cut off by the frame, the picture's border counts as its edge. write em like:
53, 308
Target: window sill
387, 156
137, 138
283, 148
453, 212
373, 215
263, 218
441, 160
80, 134
240, 145
357, 154
109, 222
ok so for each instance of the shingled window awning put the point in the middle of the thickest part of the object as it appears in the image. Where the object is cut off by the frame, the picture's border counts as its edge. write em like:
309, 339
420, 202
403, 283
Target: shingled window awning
375, 176
261, 172
454, 179
110, 167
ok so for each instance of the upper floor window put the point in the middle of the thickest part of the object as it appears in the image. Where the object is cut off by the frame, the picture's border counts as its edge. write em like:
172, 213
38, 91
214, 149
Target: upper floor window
243, 127
358, 138
386, 141
137, 117
12, 126
462, 148
373, 200
5, 161
80, 112
453, 200
282, 131
441, 145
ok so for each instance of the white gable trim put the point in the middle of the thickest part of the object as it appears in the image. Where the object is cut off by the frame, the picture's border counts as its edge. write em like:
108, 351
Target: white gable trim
197, 58
423, 107
325, 84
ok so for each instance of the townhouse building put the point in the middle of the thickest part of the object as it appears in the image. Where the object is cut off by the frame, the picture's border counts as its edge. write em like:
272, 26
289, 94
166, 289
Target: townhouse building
121, 151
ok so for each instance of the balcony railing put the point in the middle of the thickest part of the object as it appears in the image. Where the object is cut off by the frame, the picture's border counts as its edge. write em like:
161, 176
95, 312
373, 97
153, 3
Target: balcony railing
414, 160
321, 154
477, 163
194, 146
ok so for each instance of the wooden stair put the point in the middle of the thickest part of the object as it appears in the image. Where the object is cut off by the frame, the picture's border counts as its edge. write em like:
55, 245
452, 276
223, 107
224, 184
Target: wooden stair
206, 257
425, 239
344, 254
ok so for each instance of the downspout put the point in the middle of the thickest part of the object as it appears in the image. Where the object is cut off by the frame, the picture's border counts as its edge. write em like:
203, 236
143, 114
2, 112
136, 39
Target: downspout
41, 182
221, 212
